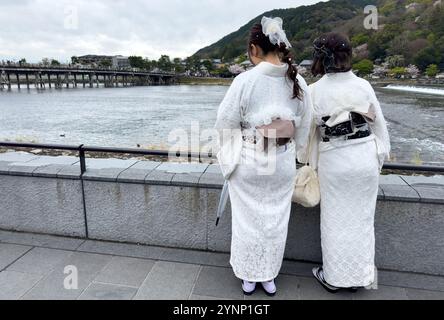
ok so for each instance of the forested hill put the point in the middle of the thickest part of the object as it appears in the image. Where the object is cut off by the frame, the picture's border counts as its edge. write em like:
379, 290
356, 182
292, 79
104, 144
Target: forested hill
413, 29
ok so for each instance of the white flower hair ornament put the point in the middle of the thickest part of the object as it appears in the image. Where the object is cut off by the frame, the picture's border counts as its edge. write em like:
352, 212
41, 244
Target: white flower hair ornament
272, 28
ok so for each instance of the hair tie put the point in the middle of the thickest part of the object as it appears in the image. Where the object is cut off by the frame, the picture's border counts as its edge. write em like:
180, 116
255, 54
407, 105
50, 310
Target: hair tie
272, 28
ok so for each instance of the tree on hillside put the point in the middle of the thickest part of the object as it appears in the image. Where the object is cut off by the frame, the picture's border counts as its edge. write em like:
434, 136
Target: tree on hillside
426, 57
395, 61
364, 67
54, 63
412, 71
45, 62
137, 62
177, 64
432, 70
105, 63
164, 63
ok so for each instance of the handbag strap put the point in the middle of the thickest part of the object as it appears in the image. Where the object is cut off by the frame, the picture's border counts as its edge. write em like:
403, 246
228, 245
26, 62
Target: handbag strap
310, 142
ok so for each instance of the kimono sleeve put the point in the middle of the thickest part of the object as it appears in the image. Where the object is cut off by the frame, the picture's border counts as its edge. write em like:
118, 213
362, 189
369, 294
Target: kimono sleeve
228, 125
302, 134
230, 110
379, 128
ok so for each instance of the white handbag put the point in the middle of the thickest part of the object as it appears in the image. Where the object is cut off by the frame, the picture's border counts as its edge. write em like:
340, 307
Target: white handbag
306, 189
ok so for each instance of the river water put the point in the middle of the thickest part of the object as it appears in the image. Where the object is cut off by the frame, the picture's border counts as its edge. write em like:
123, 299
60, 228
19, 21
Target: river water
127, 117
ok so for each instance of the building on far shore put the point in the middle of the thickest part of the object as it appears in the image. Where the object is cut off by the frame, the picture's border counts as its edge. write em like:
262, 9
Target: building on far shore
120, 62
117, 62
93, 60
306, 64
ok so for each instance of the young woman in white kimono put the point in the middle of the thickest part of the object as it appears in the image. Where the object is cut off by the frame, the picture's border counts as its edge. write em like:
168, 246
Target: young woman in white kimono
349, 155
260, 164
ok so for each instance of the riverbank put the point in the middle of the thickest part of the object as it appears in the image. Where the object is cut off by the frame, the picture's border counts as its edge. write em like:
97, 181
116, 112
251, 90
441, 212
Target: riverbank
205, 81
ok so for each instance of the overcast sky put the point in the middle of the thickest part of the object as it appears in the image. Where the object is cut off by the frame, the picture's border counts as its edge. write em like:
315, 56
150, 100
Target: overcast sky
60, 29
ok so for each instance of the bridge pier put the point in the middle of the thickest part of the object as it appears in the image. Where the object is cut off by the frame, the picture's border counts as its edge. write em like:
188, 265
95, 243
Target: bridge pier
49, 80
38, 81
27, 81
18, 80
75, 80
8, 76
58, 84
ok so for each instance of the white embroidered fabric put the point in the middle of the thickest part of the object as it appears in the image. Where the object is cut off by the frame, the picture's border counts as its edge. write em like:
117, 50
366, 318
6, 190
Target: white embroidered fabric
261, 204
349, 179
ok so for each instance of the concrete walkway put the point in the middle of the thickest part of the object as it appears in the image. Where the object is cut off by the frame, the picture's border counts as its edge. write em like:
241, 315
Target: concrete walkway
32, 267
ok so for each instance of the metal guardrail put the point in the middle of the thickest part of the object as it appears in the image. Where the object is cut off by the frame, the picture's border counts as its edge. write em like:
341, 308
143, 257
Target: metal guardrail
82, 150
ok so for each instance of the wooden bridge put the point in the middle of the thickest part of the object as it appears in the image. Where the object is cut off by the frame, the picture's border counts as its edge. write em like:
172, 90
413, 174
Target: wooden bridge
60, 77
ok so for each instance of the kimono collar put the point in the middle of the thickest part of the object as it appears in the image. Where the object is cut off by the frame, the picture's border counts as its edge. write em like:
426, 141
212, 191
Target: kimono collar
273, 70
340, 75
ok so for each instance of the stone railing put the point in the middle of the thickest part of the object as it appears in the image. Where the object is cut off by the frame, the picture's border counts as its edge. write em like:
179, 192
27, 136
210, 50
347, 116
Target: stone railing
174, 205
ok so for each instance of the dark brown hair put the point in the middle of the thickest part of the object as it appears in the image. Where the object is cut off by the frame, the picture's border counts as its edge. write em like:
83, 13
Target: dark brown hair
258, 38
332, 53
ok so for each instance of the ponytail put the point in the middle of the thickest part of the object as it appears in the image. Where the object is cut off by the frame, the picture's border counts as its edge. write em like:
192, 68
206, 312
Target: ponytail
292, 72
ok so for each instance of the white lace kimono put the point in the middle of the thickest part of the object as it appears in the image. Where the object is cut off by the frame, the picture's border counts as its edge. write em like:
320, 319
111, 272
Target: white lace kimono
260, 198
349, 179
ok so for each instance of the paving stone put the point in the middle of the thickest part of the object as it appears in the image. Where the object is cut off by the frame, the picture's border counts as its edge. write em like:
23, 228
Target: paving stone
69, 172
4, 167
125, 271
205, 298
211, 180
399, 193
415, 294
11, 252
392, 180
382, 293
138, 172
106, 169
381, 195
102, 291
169, 281
182, 168
411, 280
48, 171
52, 286
295, 268
48, 160
437, 180
15, 284
196, 257
122, 249
186, 179
310, 289
430, 194
395, 188
19, 156
218, 282
430, 189
40, 240
39, 261
214, 168
22, 169
158, 177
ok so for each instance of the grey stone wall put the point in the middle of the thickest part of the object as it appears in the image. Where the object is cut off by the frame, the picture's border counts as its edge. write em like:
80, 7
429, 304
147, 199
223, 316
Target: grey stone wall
174, 205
